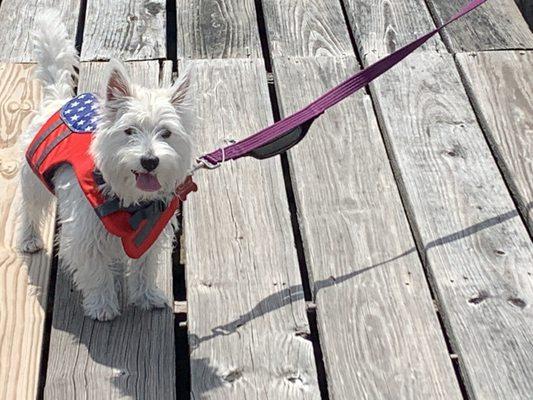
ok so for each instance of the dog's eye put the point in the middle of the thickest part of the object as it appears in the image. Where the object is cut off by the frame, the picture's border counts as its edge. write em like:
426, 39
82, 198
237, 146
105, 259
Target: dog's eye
129, 131
165, 134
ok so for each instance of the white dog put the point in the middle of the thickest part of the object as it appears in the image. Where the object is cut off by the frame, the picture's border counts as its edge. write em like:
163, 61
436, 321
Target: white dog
143, 149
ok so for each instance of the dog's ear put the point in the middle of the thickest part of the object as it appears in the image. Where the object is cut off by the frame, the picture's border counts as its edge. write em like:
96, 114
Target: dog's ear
117, 86
179, 90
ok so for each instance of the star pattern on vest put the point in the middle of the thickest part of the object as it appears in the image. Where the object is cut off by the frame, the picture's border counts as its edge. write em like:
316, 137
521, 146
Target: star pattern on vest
81, 113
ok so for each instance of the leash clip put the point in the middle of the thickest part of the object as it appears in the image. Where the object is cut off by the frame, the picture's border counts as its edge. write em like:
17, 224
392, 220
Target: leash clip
202, 162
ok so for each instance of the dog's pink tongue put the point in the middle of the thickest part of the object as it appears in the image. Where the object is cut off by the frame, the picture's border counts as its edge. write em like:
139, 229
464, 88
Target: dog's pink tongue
147, 182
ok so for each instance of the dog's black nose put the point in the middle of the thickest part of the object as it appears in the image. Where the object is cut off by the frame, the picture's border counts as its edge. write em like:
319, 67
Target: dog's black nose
149, 163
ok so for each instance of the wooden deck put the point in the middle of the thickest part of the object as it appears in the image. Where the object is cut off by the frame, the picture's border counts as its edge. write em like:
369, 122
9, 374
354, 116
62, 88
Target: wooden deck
388, 256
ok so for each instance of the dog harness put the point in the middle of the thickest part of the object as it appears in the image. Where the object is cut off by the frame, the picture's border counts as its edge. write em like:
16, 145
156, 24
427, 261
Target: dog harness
65, 139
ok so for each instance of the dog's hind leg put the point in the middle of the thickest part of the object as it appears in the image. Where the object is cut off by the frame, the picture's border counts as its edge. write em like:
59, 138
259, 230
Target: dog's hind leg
35, 202
57, 61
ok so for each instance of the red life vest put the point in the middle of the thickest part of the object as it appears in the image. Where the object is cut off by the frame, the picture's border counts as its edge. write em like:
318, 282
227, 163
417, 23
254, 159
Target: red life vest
65, 139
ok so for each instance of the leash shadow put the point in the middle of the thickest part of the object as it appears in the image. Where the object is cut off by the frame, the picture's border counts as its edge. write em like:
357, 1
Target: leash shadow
296, 292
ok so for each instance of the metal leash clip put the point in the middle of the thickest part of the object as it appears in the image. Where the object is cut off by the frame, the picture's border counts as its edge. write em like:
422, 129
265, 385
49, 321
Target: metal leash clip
203, 163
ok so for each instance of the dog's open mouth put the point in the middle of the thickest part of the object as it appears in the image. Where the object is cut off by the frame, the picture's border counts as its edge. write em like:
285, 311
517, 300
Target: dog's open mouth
146, 181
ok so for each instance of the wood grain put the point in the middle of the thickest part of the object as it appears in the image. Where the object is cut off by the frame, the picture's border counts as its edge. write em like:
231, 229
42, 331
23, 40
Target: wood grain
248, 329
130, 357
124, 29
217, 29
302, 28
16, 24
500, 85
378, 329
23, 279
476, 247
496, 25
382, 26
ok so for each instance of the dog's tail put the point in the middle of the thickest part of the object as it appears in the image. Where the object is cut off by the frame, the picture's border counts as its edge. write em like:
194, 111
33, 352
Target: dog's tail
56, 56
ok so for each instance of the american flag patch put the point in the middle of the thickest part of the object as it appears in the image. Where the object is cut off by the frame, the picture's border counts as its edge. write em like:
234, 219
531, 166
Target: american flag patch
81, 113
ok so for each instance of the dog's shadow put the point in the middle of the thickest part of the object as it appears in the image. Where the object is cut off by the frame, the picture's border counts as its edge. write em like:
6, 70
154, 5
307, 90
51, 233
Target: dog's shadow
296, 293
130, 352
127, 357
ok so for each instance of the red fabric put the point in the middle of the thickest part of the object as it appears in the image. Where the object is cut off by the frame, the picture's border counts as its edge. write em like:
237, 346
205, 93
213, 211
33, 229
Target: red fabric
74, 150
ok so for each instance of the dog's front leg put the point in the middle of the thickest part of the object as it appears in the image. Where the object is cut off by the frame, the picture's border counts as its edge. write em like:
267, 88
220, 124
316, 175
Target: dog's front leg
141, 280
97, 284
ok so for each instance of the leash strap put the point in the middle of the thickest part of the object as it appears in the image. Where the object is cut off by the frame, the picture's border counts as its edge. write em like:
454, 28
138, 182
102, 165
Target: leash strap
287, 132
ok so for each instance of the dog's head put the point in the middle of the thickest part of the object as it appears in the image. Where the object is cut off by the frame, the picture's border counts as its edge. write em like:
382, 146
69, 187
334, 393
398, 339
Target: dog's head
143, 144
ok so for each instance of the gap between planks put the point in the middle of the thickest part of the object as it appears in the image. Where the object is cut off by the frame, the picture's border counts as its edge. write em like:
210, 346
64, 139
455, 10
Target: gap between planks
500, 90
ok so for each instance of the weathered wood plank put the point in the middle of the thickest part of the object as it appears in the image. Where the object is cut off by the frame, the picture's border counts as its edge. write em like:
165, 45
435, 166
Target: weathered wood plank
124, 29
301, 28
132, 356
362, 258
16, 23
347, 222
476, 247
383, 26
23, 279
496, 25
246, 311
217, 29
378, 330
501, 88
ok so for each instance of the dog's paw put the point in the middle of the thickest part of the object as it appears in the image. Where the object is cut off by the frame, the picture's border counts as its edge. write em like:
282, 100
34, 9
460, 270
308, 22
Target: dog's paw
96, 307
31, 245
150, 298
102, 313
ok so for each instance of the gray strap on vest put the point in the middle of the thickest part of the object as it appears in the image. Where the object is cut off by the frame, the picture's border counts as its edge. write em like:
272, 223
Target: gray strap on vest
109, 207
66, 133
149, 212
35, 145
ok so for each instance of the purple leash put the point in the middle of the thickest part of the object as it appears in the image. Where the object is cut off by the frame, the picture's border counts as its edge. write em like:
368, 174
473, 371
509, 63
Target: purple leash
287, 132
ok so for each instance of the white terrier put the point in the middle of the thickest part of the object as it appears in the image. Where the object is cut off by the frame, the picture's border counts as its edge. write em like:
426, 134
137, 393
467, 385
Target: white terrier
142, 146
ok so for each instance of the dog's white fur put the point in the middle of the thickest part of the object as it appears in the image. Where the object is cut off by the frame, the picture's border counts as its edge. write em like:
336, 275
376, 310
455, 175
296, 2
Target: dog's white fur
85, 247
